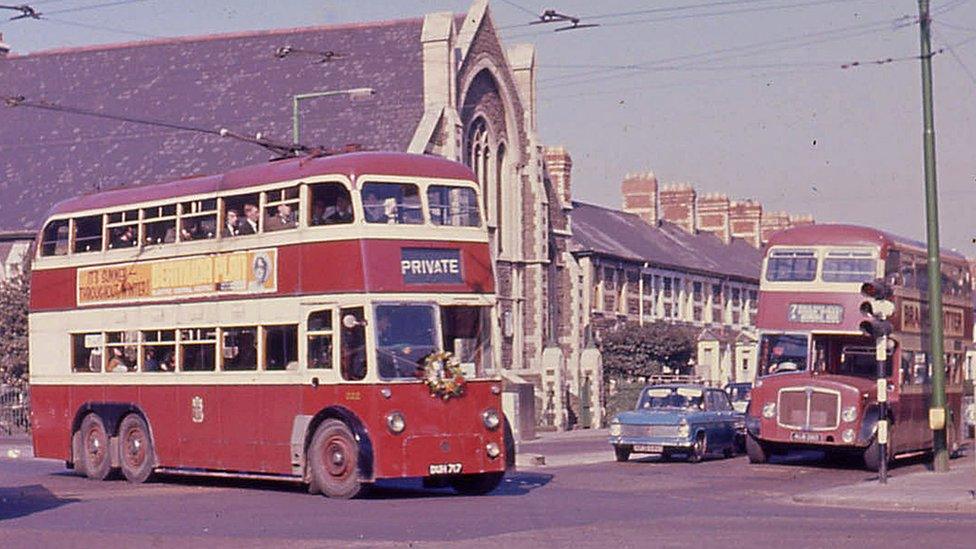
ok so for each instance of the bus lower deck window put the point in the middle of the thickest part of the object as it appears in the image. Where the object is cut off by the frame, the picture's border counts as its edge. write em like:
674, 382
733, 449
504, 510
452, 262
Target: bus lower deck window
281, 347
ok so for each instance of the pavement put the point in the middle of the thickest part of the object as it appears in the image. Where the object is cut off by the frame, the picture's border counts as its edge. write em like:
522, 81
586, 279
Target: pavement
954, 491
562, 449
16, 446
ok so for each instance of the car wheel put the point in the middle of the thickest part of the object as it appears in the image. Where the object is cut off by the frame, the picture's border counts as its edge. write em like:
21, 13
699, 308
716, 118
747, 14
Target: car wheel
136, 455
333, 457
96, 460
622, 453
699, 449
756, 450
477, 485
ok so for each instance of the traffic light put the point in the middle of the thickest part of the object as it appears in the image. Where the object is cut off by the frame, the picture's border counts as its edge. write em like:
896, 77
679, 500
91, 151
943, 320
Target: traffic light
877, 308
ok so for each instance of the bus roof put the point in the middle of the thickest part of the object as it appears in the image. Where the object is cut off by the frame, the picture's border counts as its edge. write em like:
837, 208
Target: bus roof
350, 164
848, 235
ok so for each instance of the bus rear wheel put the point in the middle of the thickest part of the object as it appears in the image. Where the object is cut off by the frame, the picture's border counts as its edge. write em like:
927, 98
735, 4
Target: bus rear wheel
333, 457
477, 485
95, 458
872, 456
136, 453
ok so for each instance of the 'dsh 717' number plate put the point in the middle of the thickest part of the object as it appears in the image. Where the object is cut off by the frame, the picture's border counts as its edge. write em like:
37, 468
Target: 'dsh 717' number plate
444, 468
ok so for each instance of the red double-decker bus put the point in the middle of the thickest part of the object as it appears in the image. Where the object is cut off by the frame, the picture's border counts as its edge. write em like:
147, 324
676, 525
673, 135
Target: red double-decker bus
817, 372
323, 319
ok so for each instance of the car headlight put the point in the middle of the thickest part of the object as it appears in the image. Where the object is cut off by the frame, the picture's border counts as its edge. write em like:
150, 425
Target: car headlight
491, 419
395, 422
849, 414
769, 410
683, 429
847, 436
615, 428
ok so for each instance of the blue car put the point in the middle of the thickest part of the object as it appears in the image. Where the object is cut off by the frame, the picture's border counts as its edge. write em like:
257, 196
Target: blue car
692, 420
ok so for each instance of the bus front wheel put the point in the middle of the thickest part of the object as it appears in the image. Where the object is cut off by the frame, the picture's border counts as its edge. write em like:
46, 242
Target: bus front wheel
756, 450
95, 458
477, 485
333, 457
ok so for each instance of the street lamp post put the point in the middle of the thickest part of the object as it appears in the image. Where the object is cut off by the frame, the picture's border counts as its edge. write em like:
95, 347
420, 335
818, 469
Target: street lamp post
297, 99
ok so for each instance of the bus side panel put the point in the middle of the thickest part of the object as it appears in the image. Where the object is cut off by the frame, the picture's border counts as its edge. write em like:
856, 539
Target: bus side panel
276, 407
51, 417
53, 289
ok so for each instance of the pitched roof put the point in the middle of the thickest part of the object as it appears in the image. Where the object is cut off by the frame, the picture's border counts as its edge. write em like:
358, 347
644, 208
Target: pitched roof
232, 81
605, 231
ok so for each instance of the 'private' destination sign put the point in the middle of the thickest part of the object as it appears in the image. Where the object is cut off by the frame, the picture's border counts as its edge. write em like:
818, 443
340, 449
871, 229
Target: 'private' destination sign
430, 266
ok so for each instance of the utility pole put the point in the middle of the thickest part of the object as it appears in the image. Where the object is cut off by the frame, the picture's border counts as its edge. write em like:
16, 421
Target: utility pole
937, 406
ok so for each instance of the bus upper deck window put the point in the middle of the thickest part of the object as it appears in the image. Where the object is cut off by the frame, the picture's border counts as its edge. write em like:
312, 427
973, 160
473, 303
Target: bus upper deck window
394, 203
455, 206
330, 205
791, 266
198, 220
849, 266
159, 224
88, 234
281, 209
54, 240
123, 229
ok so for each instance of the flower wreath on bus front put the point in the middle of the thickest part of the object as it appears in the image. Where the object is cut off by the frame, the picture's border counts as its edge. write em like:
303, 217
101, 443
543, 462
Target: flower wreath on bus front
443, 376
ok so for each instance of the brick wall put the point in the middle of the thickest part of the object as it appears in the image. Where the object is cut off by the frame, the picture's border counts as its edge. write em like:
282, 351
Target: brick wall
774, 222
678, 205
745, 218
640, 196
713, 215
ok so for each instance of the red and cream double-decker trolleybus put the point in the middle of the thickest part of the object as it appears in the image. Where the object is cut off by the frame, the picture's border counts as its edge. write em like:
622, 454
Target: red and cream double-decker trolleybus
817, 385
319, 319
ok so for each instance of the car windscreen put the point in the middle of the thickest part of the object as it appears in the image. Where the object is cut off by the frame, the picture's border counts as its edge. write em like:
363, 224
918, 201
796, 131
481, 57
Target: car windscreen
670, 397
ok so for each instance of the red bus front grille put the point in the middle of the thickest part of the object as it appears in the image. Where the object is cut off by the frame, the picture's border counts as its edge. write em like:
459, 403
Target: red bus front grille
808, 408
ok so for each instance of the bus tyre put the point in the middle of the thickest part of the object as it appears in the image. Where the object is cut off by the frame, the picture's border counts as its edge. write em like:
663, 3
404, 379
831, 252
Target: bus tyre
95, 458
477, 485
699, 449
136, 453
509, 439
622, 453
872, 456
333, 457
756, 451
78, 453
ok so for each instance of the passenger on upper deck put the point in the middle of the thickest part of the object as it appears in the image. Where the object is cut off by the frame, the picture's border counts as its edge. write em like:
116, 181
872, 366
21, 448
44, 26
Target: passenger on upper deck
251, 217
374, 209
283, 220
231, 224
341, 212
123, 237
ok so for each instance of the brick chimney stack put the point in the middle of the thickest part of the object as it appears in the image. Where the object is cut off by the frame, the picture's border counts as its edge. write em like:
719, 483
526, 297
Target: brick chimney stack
559, 165
678, 205
640, 196
4, 47
801, 220
774, 222
714, 216
745, 221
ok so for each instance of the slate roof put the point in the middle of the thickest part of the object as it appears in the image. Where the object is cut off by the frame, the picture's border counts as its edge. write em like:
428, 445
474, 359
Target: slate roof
232, 81
604, 231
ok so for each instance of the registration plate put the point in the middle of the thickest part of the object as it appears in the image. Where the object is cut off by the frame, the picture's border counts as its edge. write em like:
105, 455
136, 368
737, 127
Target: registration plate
649, 448
805, 437
444, 468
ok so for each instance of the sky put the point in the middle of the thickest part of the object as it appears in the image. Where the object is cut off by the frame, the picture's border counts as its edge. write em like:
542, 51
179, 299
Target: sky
743, 97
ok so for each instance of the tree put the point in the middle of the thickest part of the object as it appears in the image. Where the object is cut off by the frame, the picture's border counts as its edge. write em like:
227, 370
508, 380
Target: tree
633, 350
14, 298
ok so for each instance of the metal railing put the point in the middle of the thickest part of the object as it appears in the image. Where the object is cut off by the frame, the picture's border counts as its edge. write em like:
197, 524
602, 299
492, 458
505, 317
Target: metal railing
14, 410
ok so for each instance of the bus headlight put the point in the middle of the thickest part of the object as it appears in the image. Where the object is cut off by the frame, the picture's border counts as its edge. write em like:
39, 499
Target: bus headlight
769, 410
849, 414
490, 418
615, 429
683, 429
493, 450
847, 436
395, 422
